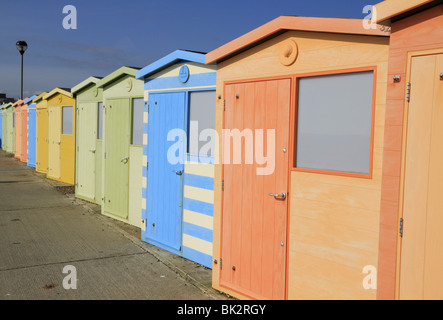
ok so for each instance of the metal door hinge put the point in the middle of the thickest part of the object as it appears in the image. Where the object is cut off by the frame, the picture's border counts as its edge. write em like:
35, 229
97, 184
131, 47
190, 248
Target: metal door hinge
224, 105
221, 263
400, 229
408, 91
223, 185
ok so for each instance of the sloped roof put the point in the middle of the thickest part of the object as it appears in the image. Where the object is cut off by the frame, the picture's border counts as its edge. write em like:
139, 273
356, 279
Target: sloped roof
117, 74
391, 9
63, 91
19, 102
39, 97
85, 83
30, 99
170, 59
289, 23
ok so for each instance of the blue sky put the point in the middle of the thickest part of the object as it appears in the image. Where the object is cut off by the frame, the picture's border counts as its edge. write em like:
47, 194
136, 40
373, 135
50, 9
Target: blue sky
113, 33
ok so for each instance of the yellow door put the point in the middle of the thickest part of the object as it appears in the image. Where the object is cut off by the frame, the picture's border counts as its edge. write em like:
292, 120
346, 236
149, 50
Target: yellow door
67, 146
421, 265
54, 142
42, 140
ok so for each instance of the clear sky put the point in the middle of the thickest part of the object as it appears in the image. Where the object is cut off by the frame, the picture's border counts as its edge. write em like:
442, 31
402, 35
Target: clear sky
113, 33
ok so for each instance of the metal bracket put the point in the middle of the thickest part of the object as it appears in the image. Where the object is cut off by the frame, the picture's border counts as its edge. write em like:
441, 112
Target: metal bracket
400, 229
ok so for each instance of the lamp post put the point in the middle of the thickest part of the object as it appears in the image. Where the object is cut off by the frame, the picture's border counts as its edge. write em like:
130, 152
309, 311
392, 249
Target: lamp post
22, 46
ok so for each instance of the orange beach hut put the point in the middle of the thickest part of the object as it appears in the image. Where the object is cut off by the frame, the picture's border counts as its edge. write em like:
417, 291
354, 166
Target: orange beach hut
301, 220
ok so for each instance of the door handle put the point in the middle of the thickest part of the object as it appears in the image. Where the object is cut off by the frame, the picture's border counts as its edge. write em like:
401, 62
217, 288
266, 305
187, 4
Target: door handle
125, 160
93, 151
179, 173
281, 196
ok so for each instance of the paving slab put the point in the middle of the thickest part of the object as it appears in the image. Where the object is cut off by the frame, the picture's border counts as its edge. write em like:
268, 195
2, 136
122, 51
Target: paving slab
43, 229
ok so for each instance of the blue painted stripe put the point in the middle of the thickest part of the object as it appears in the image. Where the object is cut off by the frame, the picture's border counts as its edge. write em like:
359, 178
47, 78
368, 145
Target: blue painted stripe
199, 158
197, 256
198, 206
197, 232
195, 80
199, 181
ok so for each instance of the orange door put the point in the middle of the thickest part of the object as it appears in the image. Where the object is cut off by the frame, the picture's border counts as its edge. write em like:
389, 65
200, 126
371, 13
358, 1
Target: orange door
254, 223
421, 263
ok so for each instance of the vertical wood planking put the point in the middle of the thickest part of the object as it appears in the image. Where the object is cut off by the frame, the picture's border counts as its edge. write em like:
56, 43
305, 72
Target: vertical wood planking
416, 177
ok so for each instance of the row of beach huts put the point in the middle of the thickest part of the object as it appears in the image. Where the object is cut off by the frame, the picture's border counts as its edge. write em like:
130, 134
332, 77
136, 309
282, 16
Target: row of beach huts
342, 198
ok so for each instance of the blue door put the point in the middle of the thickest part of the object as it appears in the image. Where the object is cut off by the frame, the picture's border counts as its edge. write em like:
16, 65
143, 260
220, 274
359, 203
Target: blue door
32, 136
164, 198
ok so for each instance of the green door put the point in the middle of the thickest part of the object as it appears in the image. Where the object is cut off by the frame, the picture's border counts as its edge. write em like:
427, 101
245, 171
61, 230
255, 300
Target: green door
86, 149
116, 160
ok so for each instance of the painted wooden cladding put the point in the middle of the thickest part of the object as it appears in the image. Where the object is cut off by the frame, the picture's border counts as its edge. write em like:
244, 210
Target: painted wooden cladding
418, 34
116, 167
61, 147
333, 220
198, 209
86, 150
135, 185
192, 222
422, 243
254, 224
32, 135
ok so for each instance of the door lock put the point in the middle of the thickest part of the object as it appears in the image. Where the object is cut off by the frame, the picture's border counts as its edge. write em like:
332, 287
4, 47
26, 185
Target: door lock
125, 160
179, 172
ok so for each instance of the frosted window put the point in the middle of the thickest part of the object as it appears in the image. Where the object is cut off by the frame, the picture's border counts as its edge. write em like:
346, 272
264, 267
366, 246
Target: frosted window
100, 121
137, 121
334, 122
67, 120
201, 113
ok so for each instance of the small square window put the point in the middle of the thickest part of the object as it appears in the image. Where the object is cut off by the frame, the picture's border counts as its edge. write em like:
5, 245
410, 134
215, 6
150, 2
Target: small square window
67, 124
334, 122
100, 121
137, 121
202, 114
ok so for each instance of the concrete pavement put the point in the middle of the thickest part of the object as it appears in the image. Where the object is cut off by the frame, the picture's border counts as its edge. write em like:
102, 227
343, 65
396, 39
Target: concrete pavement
43, 230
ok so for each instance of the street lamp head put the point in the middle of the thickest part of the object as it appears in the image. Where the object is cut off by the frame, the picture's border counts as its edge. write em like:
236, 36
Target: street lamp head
22, 46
